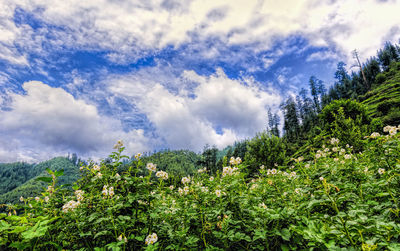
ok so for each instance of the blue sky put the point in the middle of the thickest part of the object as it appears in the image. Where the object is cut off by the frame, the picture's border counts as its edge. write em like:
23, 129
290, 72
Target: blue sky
76, 76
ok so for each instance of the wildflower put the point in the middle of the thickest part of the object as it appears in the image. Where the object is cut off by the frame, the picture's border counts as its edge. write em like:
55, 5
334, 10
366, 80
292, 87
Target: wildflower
292, 175
111, 191
99, 175
366, 170
151, 239
334, 149
180, 190
204, 189
262, 205
211, 178
81, 168
334, 141
119, 144
218, 193
273, 171
30, 205
381, 171
254, 186
96, 168
70, 206
342, 162
307, 165
162, 175
285, 193
234, 161
137, 156
171, 187
50, 189
21, 199
79, 195
336, 159
120, 238
151, 167
185, 180
387, 128
202, 170
374, 135
347, 156
46, 199
117, 176
317, 155
297, 190
321, 178
186, 189
105, 190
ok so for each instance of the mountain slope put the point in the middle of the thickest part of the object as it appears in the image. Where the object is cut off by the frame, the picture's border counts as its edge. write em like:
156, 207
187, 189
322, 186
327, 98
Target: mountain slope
383, 101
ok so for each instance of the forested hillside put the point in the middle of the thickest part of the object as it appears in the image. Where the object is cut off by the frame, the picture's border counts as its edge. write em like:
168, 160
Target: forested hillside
19, 179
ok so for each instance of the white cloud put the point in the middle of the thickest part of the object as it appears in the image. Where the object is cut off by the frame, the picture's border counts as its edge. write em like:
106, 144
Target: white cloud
132, 29
211, 110
49, 121
322, 56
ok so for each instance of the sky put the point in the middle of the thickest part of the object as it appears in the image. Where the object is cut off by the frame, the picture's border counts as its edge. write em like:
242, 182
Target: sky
76, 76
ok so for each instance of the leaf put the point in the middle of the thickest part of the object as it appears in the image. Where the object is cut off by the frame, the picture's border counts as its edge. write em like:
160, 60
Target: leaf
59, 173
45, 179
285, 233
38, 230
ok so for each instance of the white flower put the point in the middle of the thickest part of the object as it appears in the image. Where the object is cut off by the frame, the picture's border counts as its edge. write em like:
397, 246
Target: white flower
46, 199
180, 190
204, 189
381, 171
336, 159
171, 187
262, 167
99, 175
119, 144
96, 168
117, 176
79, 195
81, 168
218, 193
202, 170
151, 239
273, 171
297, 190
50, 189
307, 165
262, 205
321, 178
334, 141
211, 178
21, 199
185, 180
366, 170
186, 189
317, 155
111, 191
151, 167
30, 205
375, 135
137, 156
162, 175
334, 149
70, 206
347, 156
105, 190
234, 161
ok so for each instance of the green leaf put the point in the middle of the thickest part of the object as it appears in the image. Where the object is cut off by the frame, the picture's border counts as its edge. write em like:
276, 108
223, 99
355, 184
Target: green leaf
59, 173
285, 233
45, 179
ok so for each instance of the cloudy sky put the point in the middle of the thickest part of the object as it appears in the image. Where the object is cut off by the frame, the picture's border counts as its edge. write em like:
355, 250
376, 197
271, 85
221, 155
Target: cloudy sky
76, 76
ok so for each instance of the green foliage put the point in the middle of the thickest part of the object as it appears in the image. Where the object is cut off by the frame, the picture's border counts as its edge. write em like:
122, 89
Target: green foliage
265, 149
346, 120
338, 200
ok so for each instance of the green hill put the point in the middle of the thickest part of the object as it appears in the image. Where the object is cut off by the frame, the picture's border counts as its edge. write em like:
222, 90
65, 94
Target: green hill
19, 179
383, 101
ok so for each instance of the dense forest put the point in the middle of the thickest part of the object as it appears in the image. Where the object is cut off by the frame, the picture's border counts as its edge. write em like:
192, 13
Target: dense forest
329, 180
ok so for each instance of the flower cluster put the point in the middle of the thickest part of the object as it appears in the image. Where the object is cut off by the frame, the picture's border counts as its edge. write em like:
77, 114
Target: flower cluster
234, 161
162, 175
151, 167
334, 141
137, 156
79, 195
185, 180
374, 135
96, 168
70, 206
124, 239
218, 193
392, 130
107, 191
202, 170
185, 190
381, 171
229, 171
119, 144
151, 239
